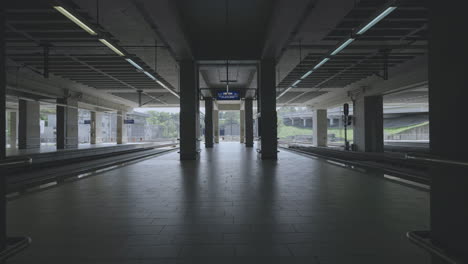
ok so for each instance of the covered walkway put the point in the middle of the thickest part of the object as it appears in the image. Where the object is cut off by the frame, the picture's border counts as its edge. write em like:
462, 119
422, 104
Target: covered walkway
227, 207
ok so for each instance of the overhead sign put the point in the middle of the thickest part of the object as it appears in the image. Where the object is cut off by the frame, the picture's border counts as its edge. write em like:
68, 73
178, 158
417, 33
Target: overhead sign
228, 96
129, 121
87, 122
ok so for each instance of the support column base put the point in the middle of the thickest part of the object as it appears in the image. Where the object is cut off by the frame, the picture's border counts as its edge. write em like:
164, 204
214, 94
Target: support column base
189, 156
268, 157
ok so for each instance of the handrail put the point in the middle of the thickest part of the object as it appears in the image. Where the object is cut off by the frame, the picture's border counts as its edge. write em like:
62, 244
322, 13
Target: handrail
422, 239
14, 246
435, 160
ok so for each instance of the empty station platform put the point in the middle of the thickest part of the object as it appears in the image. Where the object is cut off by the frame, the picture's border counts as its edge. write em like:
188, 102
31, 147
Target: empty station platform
233, 131
227, 207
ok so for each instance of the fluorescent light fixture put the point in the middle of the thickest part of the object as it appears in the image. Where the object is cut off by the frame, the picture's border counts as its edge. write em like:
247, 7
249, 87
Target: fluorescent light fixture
283, 93
321, 63
296, 83
167, 88
134, 64
307, 74
342, 46
112, 47
149, 75
376, 20
75, 20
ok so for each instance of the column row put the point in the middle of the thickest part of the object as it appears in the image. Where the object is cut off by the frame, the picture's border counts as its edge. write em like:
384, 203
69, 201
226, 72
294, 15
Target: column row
212, 128
25, 131
189, 113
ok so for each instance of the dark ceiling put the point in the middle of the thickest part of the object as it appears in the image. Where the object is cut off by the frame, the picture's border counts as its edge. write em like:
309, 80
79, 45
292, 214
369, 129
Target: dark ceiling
72, 53
398, 38
211, 38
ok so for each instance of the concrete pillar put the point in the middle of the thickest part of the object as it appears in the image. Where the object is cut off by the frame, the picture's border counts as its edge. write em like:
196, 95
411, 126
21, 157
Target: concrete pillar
29, 131
216, 125
209, 122
320, 131
268, 116
242, 126
67, 123
189, 144
3, 83
368, 124
13, 129
249, 122
96, 128
304, 121
447, 103
121, 127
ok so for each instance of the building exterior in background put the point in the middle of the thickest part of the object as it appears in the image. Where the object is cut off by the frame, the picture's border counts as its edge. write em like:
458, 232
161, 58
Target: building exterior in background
84, 127
136, 132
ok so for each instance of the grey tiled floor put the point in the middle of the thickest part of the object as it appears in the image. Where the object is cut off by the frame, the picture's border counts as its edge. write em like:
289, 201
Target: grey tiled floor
228, 207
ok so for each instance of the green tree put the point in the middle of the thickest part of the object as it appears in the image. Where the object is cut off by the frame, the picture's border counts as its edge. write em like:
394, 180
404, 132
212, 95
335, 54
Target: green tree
166, 121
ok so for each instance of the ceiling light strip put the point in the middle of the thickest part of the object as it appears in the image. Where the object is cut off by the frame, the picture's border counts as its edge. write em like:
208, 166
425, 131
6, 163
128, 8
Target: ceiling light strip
376, 20
161, 83
296, 83
283, 93
361, 31
150, 75
75, 20
321, 63
167, 88
342, 46
306, 74
134, 64
112, 47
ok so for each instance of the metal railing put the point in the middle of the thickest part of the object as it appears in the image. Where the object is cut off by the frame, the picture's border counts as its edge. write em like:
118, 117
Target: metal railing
14, 246
437, 160
9, 163
423, 240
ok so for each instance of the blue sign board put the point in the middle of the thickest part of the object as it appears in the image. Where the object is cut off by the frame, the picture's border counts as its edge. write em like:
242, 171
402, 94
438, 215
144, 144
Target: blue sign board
228, 96
129, 121
87, 122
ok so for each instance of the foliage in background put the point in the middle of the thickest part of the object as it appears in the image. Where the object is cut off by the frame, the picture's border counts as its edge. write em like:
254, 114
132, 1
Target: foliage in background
45, 112
229, 117
166, 121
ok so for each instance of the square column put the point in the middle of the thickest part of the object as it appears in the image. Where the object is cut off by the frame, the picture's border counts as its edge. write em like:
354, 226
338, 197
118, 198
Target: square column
96, 128
208, 122
216, 125
3, 83
368, 124
29, 130
242, 126
189, 117
320, 124
13, 126
268, 117
121, 127
249, 133
67, 123
447, 103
